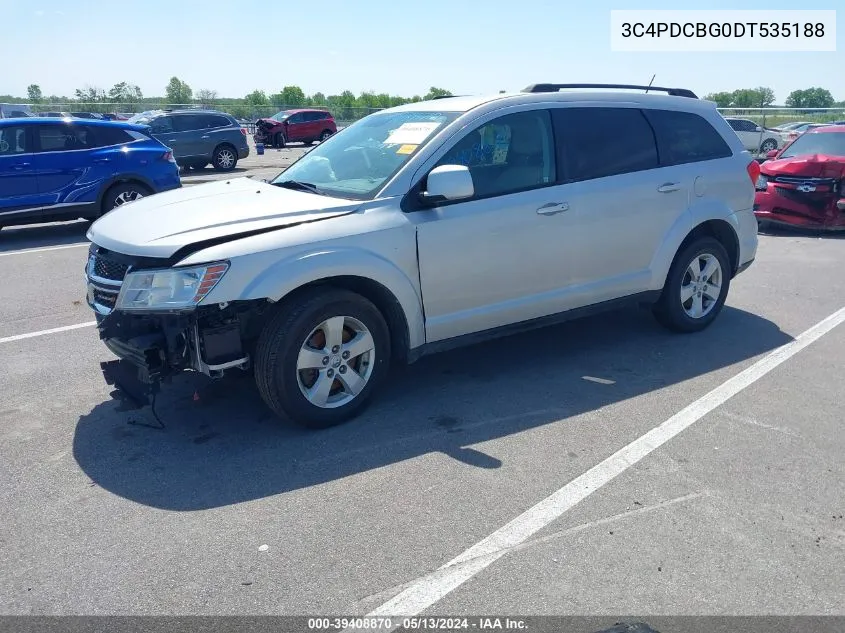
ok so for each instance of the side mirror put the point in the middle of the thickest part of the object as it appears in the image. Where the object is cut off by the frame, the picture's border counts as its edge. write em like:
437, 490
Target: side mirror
771, 153
840, 204
448, 182
758, 129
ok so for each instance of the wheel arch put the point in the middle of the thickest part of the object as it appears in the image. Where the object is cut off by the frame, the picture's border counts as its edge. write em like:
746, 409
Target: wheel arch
379, 280
703, 223
120, 180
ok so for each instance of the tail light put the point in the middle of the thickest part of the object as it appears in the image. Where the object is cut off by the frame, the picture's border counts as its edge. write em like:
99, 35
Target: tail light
243, 130
168, 156
753, 171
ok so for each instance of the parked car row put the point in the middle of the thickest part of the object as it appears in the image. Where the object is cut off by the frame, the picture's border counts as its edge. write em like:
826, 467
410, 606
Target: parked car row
64, 169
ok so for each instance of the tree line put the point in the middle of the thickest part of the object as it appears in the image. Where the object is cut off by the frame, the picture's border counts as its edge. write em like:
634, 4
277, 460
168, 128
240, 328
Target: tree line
178, 92
762, 97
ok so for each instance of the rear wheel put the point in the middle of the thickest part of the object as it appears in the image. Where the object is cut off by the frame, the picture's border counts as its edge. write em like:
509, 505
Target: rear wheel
321, 357
696, 287
225, 158
325, 135
122, 194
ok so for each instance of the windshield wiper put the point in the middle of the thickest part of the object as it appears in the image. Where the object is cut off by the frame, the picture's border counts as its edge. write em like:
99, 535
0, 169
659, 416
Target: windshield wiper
299, 186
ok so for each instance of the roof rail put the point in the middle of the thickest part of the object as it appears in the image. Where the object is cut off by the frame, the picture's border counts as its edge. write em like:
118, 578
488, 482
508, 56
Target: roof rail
675, 92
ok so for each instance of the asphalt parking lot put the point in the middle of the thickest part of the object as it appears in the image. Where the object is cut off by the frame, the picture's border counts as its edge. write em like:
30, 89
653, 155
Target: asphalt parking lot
737, 511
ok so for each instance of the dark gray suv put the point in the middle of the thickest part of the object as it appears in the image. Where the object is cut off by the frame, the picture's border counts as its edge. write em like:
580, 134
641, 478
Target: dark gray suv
198, 137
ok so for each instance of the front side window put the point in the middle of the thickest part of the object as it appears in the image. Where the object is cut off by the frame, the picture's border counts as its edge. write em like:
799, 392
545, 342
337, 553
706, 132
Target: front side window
161, 125
13, 140
281, 116
600, 142
512, 153
359, 160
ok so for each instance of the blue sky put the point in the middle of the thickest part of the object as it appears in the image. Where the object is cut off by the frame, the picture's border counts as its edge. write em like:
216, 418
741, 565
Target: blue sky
389, 46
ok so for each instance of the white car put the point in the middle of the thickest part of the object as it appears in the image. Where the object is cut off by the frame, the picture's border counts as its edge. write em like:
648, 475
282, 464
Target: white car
755, 138
421, 228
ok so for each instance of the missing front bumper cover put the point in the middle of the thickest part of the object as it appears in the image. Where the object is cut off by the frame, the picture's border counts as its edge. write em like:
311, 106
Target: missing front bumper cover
133, 385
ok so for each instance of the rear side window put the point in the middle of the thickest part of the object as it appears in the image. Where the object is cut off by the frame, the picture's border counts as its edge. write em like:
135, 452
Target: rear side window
64, 138
684, 137
600, 142
14, 140
189, 122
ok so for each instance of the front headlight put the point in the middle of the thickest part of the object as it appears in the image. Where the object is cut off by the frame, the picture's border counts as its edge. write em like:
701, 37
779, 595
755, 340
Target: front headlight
169, 289
761, 183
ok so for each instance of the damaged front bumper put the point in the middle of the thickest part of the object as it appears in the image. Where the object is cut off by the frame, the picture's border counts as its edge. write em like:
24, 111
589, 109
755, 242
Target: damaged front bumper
152, 348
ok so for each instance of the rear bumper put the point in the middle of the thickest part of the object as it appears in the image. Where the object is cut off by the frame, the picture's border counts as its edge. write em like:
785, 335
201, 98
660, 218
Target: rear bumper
243, 152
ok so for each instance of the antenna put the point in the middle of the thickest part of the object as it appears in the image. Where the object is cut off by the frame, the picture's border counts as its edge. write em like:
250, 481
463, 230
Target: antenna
650, 82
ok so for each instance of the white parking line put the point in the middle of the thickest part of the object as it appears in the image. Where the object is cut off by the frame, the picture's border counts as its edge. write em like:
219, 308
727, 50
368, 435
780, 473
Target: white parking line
26, 251
427, 590
55, 330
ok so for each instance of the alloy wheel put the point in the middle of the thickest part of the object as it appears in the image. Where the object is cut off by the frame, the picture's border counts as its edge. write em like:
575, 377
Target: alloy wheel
335, 362
701, 285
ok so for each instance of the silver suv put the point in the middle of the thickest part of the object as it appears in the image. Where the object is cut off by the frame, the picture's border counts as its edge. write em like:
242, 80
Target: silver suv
421, 228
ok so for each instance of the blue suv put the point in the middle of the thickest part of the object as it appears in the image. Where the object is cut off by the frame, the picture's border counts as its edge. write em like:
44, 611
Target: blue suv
64, 169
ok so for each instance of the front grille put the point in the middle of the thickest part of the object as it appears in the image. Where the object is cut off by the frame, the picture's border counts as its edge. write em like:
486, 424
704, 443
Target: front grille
105, 299
106, 268
813, 199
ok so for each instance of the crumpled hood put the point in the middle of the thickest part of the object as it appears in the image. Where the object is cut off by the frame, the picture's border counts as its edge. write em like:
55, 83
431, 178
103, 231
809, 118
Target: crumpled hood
809, 166
159, 225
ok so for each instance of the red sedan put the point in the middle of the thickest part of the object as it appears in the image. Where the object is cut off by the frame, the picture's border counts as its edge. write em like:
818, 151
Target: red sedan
803, 185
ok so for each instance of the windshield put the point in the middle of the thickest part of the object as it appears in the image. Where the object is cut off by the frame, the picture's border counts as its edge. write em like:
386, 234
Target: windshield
357, 161
280, 116
830, 143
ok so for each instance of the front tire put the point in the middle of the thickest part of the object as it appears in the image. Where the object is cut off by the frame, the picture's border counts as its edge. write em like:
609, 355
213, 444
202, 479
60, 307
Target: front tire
225, 158
321, 357
280, 141
696, 287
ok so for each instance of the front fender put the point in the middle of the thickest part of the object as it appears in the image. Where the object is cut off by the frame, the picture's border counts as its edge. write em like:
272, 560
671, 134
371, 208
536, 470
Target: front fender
700, 212
286, 275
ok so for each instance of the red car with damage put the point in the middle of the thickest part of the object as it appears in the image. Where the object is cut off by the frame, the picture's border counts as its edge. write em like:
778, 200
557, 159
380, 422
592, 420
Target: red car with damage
302, 125
804, 183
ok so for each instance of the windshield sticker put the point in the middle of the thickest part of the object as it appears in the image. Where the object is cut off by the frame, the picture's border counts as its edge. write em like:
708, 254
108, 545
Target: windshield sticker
411, 133
407, 149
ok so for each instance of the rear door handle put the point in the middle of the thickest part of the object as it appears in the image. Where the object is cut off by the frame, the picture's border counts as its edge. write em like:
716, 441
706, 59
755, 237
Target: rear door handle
102, 160
206, 136
21, 166
669, 187
551, 208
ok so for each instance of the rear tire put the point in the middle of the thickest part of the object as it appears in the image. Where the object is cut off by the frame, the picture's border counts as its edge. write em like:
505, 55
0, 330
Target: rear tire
225, 158
696, 287
329, 338
120, 194
325, 135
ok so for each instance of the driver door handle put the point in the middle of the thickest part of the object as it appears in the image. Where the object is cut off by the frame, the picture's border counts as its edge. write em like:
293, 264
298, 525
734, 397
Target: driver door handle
669, 187
551, 208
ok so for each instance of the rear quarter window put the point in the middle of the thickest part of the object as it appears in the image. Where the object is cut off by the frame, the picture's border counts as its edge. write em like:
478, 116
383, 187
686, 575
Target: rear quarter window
685, 137
106, 136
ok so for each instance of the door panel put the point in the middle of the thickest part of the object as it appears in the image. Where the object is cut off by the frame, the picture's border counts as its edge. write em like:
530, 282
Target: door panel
501, 257
18, 180
163, 129
71, 168
296, 127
